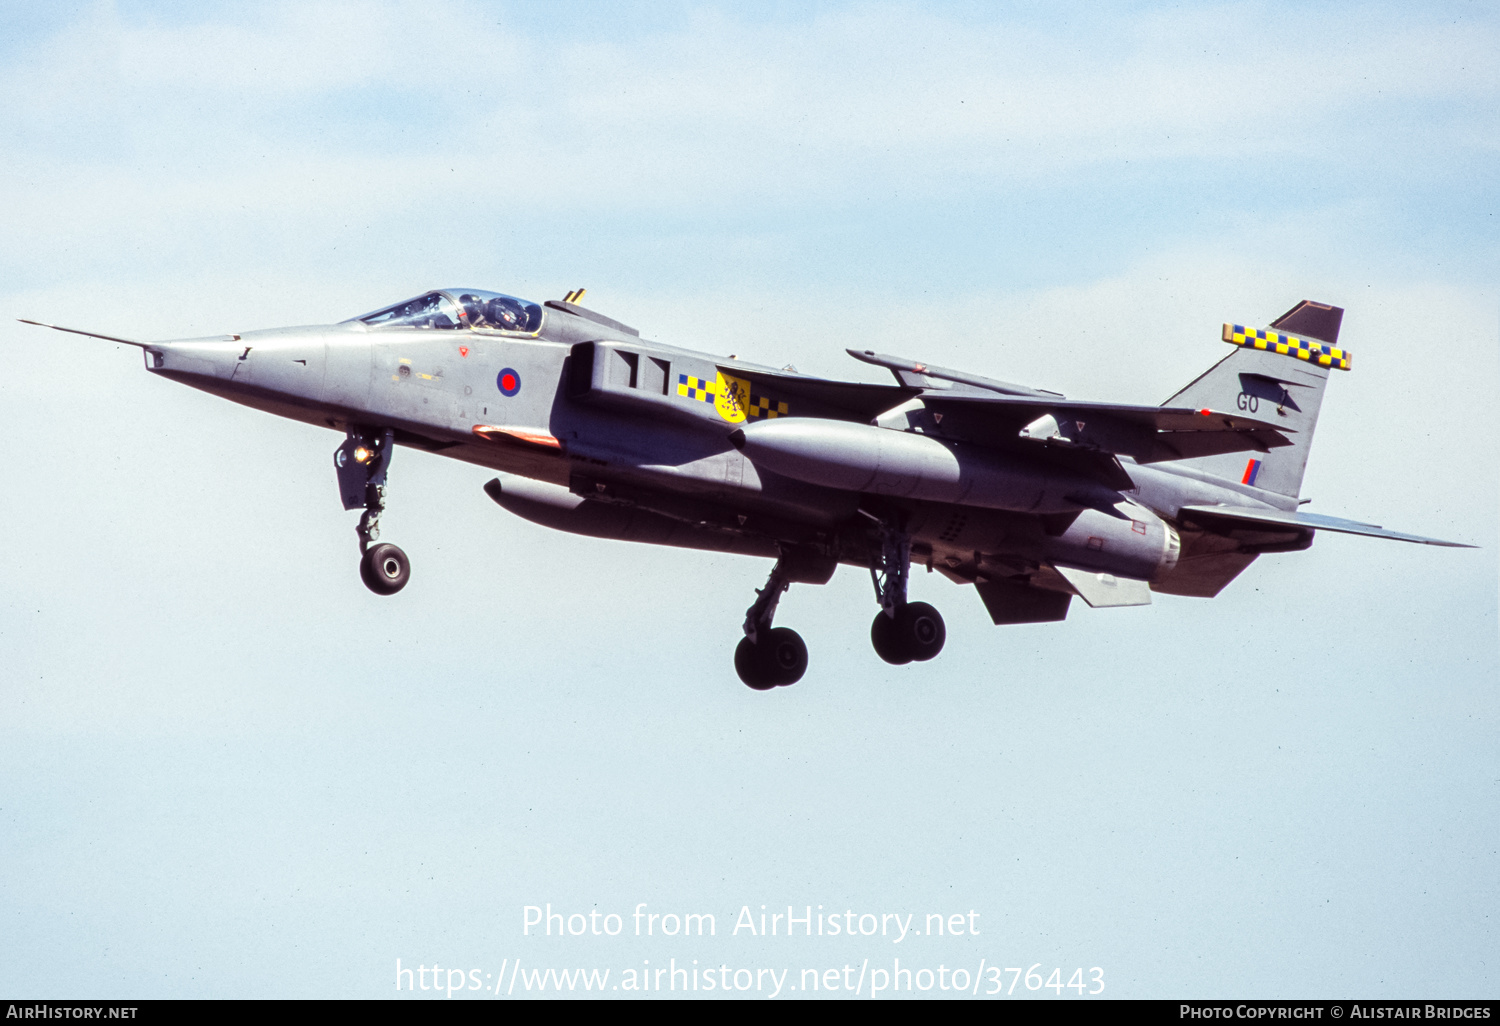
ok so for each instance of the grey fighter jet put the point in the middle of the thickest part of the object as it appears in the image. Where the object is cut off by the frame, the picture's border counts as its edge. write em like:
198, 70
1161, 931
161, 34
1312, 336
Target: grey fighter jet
1030, 497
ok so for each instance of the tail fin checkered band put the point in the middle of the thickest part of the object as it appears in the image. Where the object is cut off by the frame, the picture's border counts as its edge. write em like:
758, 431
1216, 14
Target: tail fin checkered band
1320, 353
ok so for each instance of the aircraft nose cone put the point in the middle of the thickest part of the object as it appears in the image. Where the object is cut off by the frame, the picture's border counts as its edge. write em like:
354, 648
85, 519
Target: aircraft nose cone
195, 358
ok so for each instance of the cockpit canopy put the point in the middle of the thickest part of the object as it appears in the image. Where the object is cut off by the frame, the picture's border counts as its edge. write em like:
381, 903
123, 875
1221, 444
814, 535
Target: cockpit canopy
461, 308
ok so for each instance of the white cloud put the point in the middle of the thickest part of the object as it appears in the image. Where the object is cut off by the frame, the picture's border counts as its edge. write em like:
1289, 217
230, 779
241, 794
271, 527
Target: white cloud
875, 97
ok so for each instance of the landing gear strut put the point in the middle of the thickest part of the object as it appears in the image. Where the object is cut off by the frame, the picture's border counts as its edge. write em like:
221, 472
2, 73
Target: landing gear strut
361, 463
769, 657
903, 631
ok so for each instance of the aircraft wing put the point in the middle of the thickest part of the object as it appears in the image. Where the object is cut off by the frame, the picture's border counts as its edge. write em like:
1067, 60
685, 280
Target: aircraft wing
1315, 521
1148, 434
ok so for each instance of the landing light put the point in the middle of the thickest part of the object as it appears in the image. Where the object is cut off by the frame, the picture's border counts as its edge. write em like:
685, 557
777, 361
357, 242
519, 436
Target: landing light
363, 455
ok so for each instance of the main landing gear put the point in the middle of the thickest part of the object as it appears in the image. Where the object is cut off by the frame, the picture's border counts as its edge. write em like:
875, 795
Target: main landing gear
770, 657
362, 462
903, 631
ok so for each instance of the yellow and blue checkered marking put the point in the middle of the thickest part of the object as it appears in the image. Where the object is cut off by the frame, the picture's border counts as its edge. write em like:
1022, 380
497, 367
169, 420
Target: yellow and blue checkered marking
704, 391
1311, 350
697, 388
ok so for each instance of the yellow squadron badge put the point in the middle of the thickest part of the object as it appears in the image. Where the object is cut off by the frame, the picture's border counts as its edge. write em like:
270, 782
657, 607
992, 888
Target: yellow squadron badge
732, 398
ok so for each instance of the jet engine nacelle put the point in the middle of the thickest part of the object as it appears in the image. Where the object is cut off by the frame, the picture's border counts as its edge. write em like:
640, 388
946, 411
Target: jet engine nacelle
1138, 544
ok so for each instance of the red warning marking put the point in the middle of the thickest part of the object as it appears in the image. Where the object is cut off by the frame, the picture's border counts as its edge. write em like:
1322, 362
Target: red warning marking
463, 350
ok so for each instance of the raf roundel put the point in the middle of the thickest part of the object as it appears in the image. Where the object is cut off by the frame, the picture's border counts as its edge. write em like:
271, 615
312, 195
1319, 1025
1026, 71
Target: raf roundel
509, 382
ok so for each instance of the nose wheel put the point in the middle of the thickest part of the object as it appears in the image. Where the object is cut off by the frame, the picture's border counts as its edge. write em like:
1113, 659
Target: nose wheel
384, 569
361, 463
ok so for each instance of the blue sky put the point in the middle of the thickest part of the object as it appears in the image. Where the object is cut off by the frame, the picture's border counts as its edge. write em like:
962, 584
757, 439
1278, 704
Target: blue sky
225, 769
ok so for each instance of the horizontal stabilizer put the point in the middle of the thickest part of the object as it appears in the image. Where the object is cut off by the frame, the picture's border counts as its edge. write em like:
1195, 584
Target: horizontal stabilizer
1313, 521
1104, 591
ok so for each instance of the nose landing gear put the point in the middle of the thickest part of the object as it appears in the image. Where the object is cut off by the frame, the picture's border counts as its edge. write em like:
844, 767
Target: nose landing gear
384, 569
361, 463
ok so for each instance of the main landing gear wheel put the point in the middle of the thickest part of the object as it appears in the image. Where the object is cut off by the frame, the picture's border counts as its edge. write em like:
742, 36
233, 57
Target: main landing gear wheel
903, 631
384, 569
916, 632
770, 657
776, 659
922, 630
887, 645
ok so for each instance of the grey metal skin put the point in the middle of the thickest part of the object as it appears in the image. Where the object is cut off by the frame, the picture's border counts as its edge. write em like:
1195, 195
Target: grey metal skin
1029, 496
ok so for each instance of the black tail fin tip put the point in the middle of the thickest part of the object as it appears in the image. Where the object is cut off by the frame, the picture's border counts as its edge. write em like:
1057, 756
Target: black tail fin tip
1314, 320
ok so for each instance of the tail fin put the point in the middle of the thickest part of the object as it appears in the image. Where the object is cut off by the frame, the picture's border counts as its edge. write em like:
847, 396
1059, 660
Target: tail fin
1276, 375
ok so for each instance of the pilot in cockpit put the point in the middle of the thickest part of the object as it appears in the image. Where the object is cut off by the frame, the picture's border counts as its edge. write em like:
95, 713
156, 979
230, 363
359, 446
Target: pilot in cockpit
471, 310
505, 314
498, 313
